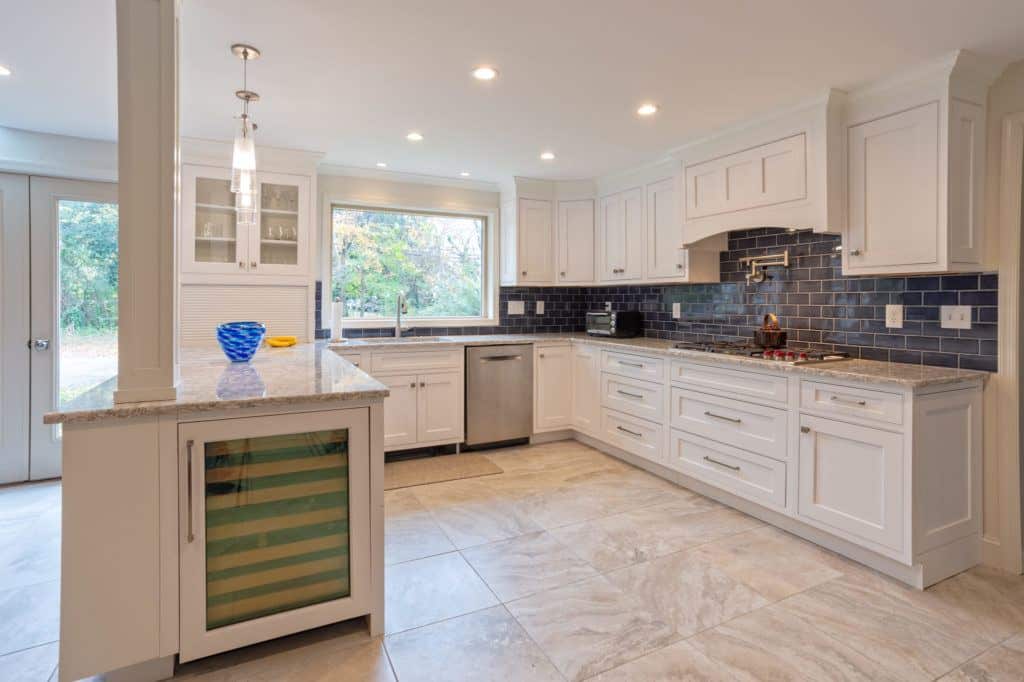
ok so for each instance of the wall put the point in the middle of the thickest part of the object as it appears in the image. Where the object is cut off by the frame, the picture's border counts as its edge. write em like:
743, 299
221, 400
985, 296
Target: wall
23, 151
816, 305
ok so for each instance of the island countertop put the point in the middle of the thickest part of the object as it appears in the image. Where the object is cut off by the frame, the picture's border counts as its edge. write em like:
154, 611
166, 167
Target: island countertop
306, 373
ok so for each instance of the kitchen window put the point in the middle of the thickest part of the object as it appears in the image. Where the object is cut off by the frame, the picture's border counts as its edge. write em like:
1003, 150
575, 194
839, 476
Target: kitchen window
441, 262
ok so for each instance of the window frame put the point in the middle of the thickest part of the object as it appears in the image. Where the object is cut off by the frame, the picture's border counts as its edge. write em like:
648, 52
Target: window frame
488, 267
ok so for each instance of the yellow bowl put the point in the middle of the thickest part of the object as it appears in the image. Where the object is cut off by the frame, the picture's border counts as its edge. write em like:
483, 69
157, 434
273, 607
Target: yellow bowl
281, 341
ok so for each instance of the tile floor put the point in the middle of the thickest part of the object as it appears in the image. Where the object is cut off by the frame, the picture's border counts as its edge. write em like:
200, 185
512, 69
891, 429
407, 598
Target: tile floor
573, 565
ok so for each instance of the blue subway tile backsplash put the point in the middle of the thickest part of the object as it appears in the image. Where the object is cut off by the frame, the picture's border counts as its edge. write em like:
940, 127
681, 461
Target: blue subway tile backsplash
815, 303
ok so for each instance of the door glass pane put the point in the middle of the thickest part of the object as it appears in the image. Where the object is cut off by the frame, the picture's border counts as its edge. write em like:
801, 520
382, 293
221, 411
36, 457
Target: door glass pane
87, 303
279, 224
277, 535
216, 222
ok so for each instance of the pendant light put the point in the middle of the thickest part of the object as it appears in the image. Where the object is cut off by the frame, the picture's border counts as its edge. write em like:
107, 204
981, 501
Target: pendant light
243, 158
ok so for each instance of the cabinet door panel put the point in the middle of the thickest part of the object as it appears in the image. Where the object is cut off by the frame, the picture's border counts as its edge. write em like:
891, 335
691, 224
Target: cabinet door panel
613, 237
440, 407
586, 387
633, 221
894, 190
280, 242
576, 241
851, 479
212, 241
664, 232
400, 408
536, 241
552, 388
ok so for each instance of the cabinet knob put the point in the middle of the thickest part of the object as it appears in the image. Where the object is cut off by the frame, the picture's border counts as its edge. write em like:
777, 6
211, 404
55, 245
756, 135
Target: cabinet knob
679, 266
241, 264
562, 274
253, 265
524, 273
412, 385
805, 429
855, 252
540, 355
423, 384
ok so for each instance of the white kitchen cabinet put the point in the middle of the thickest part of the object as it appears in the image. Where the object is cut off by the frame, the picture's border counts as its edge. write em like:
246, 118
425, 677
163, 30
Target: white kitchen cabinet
621, 236
401, 409
535, 227
665, 256
586, 388
438, 413
851, 480
252, 488
213, 242
576, 241
552, 388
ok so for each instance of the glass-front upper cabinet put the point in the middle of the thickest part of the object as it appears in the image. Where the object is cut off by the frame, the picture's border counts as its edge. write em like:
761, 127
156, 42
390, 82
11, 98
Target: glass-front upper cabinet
275, 532
213, 241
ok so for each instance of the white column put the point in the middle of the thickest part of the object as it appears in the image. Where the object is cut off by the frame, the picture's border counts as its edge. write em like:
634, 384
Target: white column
147, 102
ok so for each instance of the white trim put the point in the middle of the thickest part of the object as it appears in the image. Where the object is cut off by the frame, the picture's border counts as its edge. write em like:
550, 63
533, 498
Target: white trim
337, 170
1004, 549
491, 285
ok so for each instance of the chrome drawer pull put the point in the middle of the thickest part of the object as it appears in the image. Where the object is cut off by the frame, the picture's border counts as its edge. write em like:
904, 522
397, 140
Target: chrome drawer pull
721, 464
632, 433
859, 403
631, 364
631, 395
734, 420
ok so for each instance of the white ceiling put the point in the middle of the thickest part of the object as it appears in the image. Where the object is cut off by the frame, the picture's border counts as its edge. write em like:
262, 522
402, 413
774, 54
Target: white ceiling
352, 78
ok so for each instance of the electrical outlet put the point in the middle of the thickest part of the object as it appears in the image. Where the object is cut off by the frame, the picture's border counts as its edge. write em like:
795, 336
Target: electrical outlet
955, 316
540, 307
516, 308
608, 306
676, 311
894, 316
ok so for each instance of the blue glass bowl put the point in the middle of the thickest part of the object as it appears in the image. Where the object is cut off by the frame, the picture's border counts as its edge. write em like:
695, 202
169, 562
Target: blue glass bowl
240, 340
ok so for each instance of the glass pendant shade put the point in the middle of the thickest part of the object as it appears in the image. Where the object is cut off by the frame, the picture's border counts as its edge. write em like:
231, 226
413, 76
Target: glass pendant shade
245, 206
243, 160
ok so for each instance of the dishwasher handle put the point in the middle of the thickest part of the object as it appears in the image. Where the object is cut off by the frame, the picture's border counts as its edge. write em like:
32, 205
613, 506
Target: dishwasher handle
498, 358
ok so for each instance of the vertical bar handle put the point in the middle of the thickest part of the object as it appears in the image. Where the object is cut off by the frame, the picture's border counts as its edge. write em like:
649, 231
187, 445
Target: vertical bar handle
188, 486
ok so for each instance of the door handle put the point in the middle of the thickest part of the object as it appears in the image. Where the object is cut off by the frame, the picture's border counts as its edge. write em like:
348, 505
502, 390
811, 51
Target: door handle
497, 358
721, 464
39, 344
190, 536
631, 395
632, 433
734, 420
847, 401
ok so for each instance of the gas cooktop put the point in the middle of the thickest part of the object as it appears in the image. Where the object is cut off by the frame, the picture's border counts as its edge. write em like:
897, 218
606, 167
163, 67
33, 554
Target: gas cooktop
791, 356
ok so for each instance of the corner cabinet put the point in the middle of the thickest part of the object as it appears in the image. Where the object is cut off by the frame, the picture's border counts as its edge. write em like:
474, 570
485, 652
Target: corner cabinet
575, 241
275, 527
214, 242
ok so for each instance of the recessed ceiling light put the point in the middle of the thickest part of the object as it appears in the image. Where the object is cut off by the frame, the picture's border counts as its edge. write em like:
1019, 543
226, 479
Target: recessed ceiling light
548, 156
464, 174
414, 136
381, 164
647, 109
485, 73
4, 71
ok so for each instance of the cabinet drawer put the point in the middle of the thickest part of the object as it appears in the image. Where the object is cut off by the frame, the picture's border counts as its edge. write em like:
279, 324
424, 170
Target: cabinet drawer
637, 436
637, 366
743, 473
633, 396
416, 361
845, 402
745, 425
763, 388
355, 358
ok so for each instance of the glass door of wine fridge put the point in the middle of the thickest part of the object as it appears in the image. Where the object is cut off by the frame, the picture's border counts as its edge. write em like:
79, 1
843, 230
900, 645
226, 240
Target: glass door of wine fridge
275, 529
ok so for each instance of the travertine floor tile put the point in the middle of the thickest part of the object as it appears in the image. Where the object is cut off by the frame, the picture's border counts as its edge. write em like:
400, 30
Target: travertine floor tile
486, 645
471, 514
29, 616
773, 562
998, 664
410, 531
29, 665
428, 590
771, 644
678, 662
527, 564
687, 591
591, 626
649, 532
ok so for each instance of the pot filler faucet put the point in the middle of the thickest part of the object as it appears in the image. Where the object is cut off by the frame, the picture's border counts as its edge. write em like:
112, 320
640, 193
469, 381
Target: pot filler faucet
401, 309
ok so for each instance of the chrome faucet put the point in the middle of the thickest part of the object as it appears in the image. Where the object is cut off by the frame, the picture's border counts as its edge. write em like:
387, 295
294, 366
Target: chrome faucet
402, 309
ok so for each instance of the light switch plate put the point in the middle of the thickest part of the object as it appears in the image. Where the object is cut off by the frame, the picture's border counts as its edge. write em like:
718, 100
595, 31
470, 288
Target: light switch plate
540, 307
608, 306
894, 316
955, 316
516, 308
676, 311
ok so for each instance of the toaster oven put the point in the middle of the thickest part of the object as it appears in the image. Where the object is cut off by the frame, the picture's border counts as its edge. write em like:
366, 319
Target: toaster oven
620, 324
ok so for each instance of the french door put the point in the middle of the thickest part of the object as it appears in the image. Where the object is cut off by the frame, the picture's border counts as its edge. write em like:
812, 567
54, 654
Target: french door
58, 268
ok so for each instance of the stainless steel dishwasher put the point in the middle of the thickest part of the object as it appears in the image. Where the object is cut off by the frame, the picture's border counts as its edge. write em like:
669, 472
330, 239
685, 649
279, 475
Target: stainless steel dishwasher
499, 393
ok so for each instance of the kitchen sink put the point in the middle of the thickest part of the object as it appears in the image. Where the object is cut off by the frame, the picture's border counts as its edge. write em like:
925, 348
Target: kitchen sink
378, 341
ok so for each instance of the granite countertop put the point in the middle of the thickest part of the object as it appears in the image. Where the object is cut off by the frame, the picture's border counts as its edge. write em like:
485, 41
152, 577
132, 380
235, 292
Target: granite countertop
865, 371
306, 373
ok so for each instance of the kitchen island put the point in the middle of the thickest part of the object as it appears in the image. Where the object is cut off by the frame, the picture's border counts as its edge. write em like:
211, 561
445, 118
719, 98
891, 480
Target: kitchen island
248, 508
